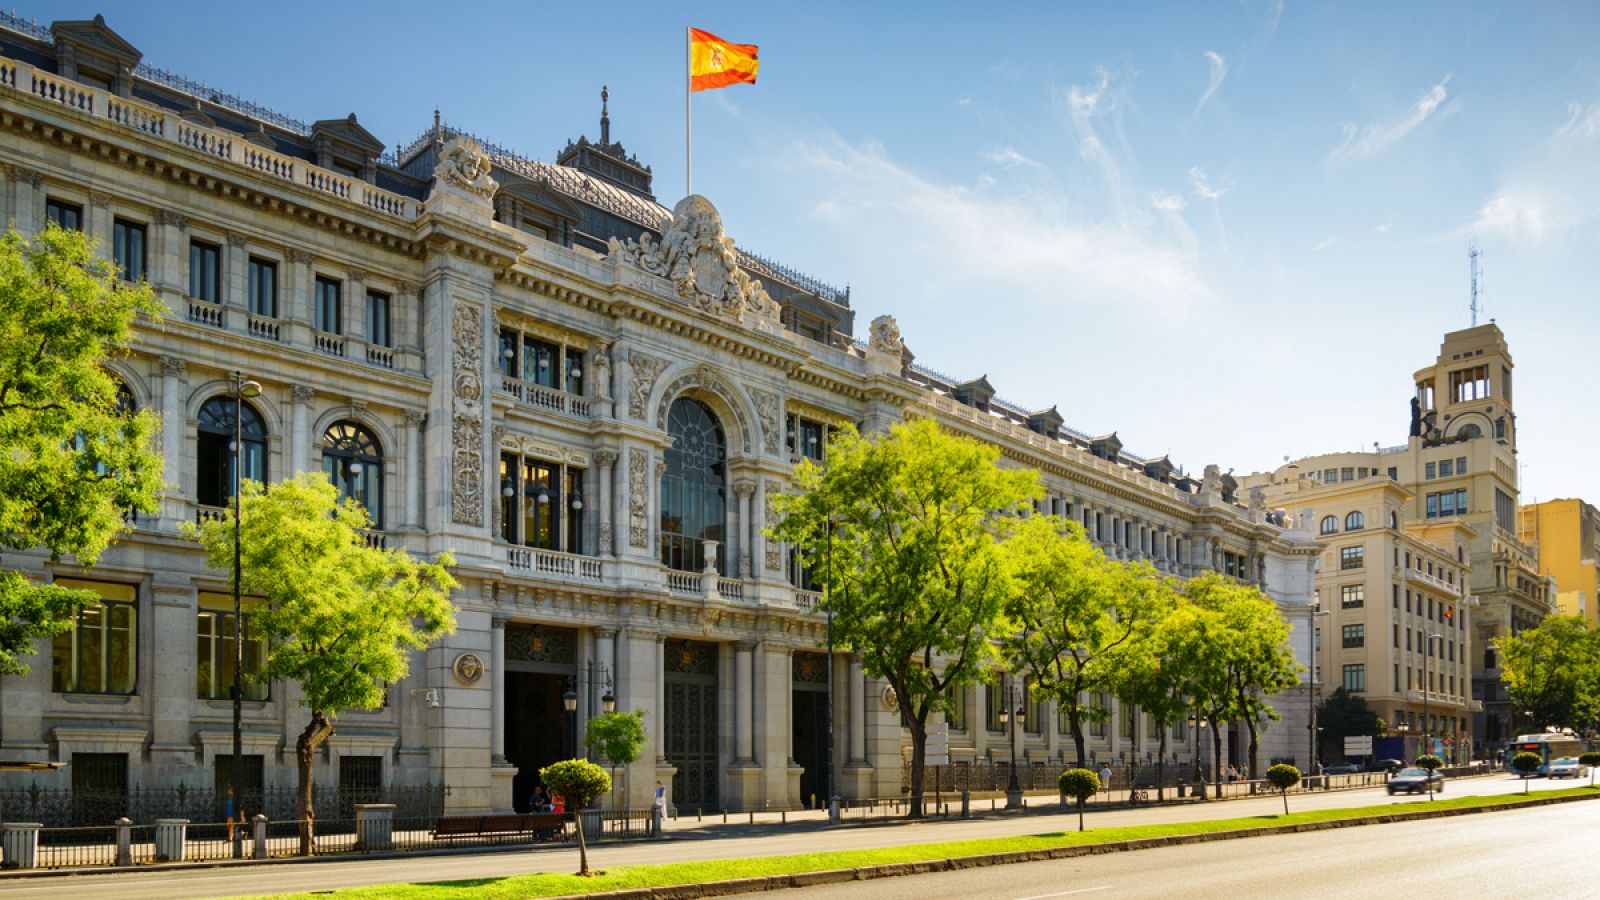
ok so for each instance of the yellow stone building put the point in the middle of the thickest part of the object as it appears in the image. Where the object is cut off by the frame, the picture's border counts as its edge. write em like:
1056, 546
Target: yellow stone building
1565, 535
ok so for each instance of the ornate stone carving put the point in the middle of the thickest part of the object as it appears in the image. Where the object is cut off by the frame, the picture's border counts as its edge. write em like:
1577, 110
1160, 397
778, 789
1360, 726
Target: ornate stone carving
768, 409
605, 536
700, 261
600, 368
774, 553
1258, 504
605, 459
415, 417
299, 393
34, 179
467, 335
172, 365
467, 422
166, 217
638, 498
358, 409
1211, 482
464, 165
885, 335
298, 256
705, 378
99, 200
743, 489
646, 369
237, 241
467, 481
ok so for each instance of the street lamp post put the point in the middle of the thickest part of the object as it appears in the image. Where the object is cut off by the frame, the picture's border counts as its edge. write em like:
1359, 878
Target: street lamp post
829, 790
1012, 720
1311, 689
1427, 688
242, 390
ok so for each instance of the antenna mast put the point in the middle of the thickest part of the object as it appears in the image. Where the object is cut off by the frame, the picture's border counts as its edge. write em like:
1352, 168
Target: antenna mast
1472, 257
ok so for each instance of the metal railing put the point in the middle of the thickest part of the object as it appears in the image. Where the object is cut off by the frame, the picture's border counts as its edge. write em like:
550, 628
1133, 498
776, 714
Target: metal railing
65, 807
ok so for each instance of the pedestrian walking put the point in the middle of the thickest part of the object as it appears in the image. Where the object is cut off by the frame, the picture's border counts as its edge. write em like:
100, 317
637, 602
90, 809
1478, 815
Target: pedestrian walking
1105, 779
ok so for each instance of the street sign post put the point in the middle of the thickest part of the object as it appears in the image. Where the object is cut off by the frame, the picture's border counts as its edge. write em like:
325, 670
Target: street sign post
1358, 746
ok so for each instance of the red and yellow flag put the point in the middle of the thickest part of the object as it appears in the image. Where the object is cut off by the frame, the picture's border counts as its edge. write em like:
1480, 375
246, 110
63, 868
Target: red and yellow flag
714, 62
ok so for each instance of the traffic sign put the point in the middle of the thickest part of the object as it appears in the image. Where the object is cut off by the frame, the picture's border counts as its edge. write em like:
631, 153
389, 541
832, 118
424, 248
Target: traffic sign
1358, 746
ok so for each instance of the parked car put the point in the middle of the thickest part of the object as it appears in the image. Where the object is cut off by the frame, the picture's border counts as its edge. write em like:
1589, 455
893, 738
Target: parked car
1341, 769
1413, 780
1386, 765
1565, 767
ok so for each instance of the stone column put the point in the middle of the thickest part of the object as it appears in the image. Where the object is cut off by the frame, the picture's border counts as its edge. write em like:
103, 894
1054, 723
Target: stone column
744, 490
638, 688
858, 712
411, 477
170, 685
173, 422
774, 725
658, 727
170, 257
27, 201
1051, 727
744, 703
758, 540
235, 273
653, 490
605, 461
98, 224
497, 698
355, 305
299, 427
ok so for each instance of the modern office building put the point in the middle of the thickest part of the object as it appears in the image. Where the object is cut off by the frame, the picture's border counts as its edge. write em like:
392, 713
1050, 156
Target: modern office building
585, 396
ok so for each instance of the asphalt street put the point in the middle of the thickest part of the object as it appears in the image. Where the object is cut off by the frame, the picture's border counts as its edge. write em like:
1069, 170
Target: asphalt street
689, 841
1543, 852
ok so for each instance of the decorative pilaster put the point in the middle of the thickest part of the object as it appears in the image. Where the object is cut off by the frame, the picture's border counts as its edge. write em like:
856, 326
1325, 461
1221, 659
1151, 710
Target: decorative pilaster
300, 397
743, 703
412, 476
497, 695
858, 713
173, 423
744, 490
656, 727
605, 461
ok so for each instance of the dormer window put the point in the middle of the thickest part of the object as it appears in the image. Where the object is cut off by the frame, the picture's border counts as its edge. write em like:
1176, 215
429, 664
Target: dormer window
976, 393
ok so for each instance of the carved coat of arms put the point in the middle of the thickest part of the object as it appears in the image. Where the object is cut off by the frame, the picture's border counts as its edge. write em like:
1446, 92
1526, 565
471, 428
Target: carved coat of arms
700, 261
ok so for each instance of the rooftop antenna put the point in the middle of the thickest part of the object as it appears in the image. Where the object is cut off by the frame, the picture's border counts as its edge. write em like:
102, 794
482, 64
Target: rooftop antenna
1472, 258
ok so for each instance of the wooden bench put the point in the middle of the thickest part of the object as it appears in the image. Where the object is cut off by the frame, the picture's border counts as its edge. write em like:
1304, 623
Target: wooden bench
551, 825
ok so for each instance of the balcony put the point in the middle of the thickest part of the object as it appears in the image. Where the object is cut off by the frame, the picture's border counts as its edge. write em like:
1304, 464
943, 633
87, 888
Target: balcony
541, 397
551, 562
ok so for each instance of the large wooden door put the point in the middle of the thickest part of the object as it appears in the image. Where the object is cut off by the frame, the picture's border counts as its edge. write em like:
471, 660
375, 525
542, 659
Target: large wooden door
691, 724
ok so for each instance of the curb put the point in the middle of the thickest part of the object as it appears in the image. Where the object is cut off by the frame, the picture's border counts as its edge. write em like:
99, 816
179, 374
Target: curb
895, 870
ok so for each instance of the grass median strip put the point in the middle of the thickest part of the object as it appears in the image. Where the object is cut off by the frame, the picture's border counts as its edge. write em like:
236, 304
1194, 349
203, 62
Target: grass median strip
615, 878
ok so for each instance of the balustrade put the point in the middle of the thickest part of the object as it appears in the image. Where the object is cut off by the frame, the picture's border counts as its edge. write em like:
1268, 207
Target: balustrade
551, 562
265, 328
205, 313
546, 398
380, 356
331, 344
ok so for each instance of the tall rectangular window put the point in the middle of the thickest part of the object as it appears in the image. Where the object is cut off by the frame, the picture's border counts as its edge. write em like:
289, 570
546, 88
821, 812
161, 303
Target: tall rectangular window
128, 249
574, 502
1355, 678
1354, 636
64, 215
1461, 465
263, 277
1353, 596
1352, 557
215, 633
329, 307
1097, 724
1430, 471
205, 272
1469, 384
541, 361
1447, 468
956, 715
573, 360
992, 704
378, 318
99, 653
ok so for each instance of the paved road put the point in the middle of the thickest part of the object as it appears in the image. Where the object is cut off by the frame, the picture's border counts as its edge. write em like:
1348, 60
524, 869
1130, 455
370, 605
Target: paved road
686, 843
1543, 852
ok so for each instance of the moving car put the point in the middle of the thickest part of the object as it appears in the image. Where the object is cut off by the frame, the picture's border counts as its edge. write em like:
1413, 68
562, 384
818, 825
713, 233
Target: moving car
1414, 780
1565, 767
1341, 769
1386, 765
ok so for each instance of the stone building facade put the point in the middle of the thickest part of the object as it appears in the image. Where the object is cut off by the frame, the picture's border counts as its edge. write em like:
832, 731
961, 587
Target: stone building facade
586, 397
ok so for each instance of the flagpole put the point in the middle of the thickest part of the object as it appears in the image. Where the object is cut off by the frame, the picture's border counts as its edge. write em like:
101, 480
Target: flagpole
688, 120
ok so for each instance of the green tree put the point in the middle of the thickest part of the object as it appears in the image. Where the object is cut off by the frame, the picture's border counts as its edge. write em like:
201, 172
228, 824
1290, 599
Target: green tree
903, 532
1525, 764
1074, 620
1553, 672
1283, 777
1345, 714
580, 783
1238, 656
1155, 678
72, 459
1080, 785
1592, 760
617, 736
1430, 762
341, 618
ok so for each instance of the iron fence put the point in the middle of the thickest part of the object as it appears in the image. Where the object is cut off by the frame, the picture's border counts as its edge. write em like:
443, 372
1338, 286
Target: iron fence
65, 807
61, 848
985, 776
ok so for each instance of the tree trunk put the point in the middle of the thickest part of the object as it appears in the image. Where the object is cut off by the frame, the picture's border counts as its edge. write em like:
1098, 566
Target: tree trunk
317, 731
1080, 813
1076, 719
1216, 756
1255, 747
919, 746
1161, 768
583, 846
1286, 801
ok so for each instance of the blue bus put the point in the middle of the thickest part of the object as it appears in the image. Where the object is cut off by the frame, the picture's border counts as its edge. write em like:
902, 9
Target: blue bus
1547, 746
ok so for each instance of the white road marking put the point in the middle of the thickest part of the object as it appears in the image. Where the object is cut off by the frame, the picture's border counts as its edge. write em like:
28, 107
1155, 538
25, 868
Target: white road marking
1103, 887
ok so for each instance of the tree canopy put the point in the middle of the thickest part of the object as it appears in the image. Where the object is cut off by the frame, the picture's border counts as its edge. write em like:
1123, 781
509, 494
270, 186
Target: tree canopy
1553, 672
903, 531
73, 457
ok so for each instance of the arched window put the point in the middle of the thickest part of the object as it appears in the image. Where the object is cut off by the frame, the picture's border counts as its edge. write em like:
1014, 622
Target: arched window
694, 487
354, 463
1330, 525
1469, 432
214, 485
1354, 522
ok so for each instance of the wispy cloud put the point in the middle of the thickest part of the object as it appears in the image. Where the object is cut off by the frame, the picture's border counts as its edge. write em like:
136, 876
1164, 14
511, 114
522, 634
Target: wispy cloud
1324, 244
1274, 16
1517, 216
1361, 143
1095, 113
1203, 186
963, 101
1219, 71
962, 239
1582, 125
1008, 156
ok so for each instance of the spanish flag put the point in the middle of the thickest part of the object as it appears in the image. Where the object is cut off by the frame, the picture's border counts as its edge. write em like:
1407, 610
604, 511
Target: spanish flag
714, 62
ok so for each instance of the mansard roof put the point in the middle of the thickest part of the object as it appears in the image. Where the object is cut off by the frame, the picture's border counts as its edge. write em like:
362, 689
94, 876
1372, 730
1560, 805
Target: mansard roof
347, 130
94, 36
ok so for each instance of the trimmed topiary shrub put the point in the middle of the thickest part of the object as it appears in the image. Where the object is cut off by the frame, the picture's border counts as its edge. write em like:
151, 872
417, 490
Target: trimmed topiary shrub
1526, 764
579, 782
1592, 760
1283, 777
1079, 784
1430, 762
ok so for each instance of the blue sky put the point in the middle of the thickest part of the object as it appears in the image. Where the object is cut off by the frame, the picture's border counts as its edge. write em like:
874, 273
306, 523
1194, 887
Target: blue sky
1230, 230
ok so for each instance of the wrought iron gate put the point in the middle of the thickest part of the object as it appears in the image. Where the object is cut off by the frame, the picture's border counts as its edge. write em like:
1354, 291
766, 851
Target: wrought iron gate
691, 724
